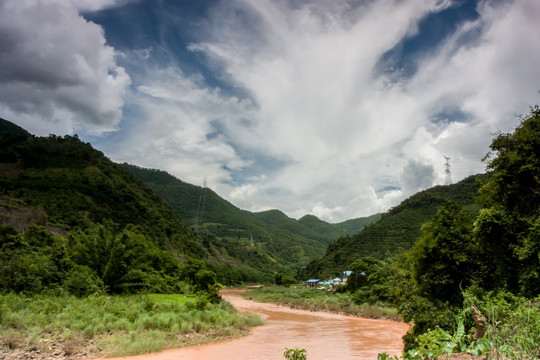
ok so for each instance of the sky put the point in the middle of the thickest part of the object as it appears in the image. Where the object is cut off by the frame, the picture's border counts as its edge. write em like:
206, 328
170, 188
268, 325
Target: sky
336, 108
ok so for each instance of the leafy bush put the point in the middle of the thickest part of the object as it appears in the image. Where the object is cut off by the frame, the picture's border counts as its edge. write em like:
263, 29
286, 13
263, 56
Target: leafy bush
295, 354
513, 323
82, 281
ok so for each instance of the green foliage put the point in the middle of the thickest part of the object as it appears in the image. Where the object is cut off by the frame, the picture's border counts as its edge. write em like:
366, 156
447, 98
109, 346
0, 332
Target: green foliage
397, 230
93, 203
89, 263
511, 194
13, 129
513, 323
385, 356
279, 243
442, 258
362, 269
499, 250
33, 261
382, 283
295, 354
512, 330
117, 322
82, 281
514, 181
78, 186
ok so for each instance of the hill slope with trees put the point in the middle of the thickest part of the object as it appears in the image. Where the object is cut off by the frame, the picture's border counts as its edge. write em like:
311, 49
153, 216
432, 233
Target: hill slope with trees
288, 241
68, 211
397, 229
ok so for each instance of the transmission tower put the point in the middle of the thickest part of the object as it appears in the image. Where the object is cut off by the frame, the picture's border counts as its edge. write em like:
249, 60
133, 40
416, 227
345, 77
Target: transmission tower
448, 177
200, 207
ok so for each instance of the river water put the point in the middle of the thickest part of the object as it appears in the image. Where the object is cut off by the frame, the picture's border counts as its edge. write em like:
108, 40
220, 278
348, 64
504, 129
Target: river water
325, 336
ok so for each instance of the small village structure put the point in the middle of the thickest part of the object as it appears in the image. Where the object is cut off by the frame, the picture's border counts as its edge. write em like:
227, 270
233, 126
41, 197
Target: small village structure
313, 283
322, 284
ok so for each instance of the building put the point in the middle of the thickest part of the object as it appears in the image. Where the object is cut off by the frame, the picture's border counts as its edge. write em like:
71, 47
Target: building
312, 283
346, 275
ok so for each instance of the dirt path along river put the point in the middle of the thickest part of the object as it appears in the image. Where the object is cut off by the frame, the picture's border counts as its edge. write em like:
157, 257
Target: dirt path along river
325, 336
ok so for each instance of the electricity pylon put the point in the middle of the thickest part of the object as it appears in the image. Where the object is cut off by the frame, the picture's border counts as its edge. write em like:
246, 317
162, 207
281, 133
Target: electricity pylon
448, 177
200, 208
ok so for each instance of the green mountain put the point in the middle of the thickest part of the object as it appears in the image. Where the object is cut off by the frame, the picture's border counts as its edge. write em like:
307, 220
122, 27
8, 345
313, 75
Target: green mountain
68, 187
397, 229
72, 219
282, 240
11, 128
74, 191
312, 227
76, 186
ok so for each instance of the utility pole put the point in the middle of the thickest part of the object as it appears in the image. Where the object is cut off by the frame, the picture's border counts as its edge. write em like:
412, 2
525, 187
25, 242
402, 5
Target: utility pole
448, 177
200, 207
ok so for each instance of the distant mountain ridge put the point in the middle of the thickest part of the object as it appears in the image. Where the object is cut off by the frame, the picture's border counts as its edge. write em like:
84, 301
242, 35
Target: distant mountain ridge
295, 241
184, 198
65, 184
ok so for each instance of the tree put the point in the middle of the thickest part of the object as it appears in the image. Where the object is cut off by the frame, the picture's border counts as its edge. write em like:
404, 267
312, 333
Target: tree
514, 184
443, 258
508, 230
362, 270
500, 250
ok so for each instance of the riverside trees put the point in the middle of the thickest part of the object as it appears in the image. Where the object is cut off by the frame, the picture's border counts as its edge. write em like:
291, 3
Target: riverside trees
498, 250
464, 255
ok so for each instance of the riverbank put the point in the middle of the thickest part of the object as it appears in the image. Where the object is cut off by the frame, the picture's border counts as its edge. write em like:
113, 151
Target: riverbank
322, 334
64, 327
320, 300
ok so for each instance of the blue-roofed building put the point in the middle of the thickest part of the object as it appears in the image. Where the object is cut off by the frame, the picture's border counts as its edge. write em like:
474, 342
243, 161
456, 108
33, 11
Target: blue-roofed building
312, 283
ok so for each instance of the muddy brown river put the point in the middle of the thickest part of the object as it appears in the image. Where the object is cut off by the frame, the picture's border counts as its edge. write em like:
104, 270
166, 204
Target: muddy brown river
325, 336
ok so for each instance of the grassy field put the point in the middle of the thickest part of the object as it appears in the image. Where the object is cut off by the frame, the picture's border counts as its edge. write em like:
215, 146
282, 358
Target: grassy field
114, 325
300, 297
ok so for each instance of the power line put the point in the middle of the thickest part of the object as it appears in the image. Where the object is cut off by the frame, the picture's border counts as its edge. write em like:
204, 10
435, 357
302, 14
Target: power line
200, 207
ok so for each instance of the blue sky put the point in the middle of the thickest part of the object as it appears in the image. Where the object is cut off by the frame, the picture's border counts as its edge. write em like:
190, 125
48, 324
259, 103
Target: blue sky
339, 108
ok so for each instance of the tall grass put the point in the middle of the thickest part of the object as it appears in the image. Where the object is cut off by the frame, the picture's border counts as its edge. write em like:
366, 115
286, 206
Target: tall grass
320, 300
122, 325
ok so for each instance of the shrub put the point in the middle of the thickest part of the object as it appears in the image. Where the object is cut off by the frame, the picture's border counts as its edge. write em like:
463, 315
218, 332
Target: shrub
82, 281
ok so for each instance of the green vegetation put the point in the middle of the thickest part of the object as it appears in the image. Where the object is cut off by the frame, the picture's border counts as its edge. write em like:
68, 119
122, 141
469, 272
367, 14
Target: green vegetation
96, 261
396, 231
295, 354
320, 300
11, 128
464, 269
509, 325
497, 250
119, 325
267, 242
77, 187
469, 278
76, 228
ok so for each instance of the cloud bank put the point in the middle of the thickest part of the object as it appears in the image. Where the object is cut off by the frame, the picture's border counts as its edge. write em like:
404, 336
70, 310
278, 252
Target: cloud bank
57, 75
312, 110
347, 134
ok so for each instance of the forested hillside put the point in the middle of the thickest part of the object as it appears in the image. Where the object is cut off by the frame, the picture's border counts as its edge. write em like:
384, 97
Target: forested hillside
270, 234
94, 208
68, 211
397, 229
